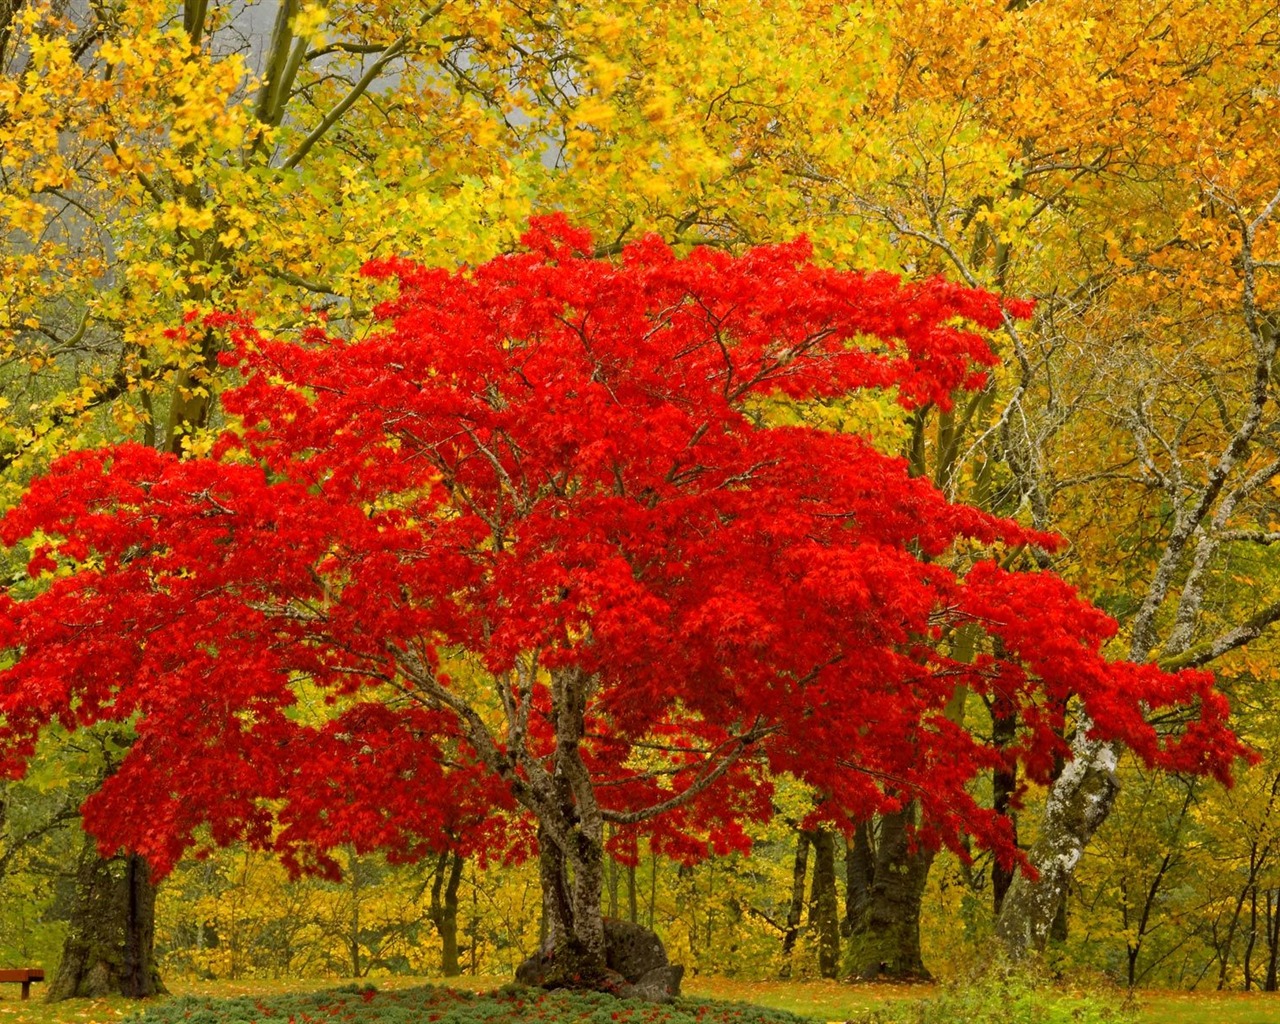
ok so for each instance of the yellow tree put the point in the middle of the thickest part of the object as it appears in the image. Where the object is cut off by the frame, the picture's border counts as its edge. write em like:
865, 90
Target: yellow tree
1107, 159
1110, 160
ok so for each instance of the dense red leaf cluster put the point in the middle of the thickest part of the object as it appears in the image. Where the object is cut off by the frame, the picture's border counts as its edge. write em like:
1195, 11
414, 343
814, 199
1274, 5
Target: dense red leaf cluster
550, 461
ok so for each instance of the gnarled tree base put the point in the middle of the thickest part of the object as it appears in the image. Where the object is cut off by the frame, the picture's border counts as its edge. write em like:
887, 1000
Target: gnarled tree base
884, 940
636, 966
110, 945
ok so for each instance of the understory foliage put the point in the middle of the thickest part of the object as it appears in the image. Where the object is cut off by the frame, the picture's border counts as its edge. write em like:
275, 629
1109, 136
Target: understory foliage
996, 996
512, 1005
1003, 993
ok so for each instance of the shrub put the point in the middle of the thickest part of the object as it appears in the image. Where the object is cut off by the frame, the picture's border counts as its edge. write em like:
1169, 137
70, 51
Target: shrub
1001, 993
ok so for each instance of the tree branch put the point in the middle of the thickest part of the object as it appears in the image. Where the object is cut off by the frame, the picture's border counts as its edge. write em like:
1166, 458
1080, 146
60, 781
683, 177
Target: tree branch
740, 745
1210, 650
357, 90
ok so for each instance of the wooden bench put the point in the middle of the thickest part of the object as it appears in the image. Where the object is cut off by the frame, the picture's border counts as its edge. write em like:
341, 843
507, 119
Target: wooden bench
26, 976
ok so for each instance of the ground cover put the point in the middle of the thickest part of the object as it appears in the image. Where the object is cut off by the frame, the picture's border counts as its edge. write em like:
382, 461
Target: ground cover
823, 1000
712, 1001
1209, 1008
361, 1003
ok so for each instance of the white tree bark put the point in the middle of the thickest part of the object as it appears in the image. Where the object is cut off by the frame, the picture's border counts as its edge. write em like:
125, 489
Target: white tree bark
1082, 796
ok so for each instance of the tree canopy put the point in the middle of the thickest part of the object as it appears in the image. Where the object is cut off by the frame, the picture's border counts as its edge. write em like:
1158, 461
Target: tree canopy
544, 547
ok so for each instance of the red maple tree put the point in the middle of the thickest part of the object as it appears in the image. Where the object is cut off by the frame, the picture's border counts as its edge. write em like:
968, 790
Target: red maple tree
536, 553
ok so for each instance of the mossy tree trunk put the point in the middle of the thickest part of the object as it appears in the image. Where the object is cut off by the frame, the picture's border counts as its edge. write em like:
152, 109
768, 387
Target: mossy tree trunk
824, 913
110, 945
1004, 785
885, 940
444, 910
800, 871
859, 868
571, 858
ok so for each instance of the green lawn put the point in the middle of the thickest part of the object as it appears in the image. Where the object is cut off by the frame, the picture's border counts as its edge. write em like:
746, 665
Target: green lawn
1210, 1008
825, 1001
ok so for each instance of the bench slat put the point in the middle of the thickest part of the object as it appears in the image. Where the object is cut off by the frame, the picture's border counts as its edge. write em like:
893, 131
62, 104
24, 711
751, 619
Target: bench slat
25, 975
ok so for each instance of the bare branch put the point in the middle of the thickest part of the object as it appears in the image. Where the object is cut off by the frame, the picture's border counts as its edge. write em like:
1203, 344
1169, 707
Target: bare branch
1251, 536
345, 48
359, 89
1191, 517
1210, 650
738, 746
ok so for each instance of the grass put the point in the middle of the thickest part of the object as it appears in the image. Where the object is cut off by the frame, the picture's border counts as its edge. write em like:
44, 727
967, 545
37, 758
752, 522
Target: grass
824, 1001
1209, 1008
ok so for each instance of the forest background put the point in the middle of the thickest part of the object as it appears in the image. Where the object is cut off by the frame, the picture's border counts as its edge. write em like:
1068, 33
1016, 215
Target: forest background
1113, 160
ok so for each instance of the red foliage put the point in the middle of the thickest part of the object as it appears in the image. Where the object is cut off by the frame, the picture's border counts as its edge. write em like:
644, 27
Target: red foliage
556, 456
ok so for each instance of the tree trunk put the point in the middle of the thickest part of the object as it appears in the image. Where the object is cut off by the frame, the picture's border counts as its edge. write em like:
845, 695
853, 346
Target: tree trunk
1253, 938
571, 852
1004, 783
613, 887
109, 948
800, 868
1224, 952
573, 890
1078, 803
1273, 942
557, 911
1058, 930
448, 924
353, 935
859, 871
633, 909
885, 941
824, 915
474, 931
653, 887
